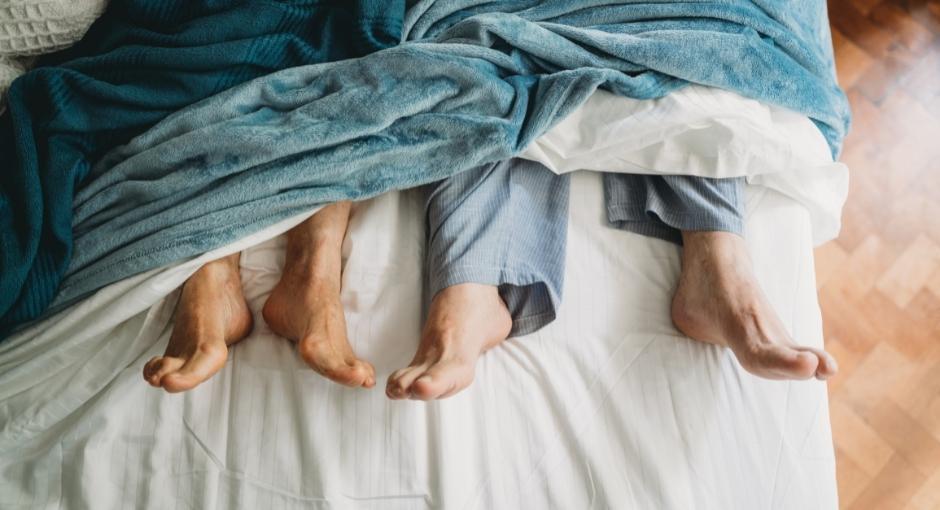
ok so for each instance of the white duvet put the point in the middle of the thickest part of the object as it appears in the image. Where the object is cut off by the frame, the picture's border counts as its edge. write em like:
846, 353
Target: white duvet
608, 407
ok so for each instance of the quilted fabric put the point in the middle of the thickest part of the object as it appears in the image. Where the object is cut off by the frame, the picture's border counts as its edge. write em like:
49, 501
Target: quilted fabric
34, 27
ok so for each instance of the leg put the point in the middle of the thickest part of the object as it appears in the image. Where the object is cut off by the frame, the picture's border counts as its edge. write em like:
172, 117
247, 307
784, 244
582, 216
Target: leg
305, 304
718, 299
210, 316
495, 266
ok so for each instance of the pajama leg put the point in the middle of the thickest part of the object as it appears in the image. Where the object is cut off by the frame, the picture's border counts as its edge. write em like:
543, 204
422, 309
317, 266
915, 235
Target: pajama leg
718, 300
663, 206
503, 224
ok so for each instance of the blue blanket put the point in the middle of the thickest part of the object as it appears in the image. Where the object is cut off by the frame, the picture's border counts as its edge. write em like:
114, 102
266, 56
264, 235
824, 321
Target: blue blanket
141, 61
475, 81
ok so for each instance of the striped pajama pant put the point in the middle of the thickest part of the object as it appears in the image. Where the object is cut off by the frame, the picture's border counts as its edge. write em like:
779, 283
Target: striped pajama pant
505, 224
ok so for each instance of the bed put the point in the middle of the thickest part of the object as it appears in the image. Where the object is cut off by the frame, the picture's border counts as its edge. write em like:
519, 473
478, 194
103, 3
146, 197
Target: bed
608, 407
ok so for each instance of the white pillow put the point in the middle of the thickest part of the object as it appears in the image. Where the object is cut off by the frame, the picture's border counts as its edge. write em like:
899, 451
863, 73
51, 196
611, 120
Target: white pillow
29, 28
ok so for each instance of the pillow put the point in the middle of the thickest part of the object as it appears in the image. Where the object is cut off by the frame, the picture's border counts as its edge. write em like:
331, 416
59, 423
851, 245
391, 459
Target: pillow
29, 28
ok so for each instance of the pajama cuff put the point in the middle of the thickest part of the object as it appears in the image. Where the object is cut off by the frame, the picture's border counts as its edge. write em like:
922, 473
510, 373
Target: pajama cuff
668, 225
532, 303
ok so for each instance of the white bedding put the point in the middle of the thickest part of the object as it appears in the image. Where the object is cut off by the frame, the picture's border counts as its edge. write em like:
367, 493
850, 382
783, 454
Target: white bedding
706, 132
608, 407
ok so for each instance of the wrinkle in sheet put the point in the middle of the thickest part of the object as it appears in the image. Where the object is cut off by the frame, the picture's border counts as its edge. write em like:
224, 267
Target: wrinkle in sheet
593, 395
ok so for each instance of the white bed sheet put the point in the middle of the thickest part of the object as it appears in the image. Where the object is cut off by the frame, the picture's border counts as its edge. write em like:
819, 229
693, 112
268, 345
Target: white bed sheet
608, 407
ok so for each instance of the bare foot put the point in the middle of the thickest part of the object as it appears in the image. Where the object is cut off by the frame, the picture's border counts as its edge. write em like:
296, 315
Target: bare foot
305, 305
719, 301
211, 315
464, 321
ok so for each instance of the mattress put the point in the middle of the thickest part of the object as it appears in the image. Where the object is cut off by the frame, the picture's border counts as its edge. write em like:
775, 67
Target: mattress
607, 407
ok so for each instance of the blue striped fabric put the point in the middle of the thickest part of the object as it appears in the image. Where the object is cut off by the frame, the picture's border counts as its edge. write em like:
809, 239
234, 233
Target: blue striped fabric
505, 224
663, 206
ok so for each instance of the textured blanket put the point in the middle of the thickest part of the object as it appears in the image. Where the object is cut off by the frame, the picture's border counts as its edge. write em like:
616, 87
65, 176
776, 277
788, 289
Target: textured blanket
476, 81
29, 28
142, 60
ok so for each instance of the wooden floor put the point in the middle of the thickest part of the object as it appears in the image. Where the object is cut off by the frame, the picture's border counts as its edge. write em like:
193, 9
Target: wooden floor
879, 282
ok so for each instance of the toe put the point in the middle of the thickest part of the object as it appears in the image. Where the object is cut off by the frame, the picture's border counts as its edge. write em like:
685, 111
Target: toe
399, 383
780, 362
369, 372
827, 365
151, 368
157, 368
336, 366
428, 387
394, 389
205, 362
442, 380
804, 367
354, 375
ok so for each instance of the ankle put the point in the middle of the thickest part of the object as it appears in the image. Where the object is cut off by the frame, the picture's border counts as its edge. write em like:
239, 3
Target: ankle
714, 248
475, 292
222, 269
327, 226
716, 241
317, 278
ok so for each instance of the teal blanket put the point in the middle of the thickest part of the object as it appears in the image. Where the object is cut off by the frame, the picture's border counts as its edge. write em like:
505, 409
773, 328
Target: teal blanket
475, 81
141, 61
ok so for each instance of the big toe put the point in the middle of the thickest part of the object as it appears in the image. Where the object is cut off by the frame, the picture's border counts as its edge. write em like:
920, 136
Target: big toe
442, 380
354, 374
175, 382
429, 387
203, 364
781, 362
335, 366
827, 366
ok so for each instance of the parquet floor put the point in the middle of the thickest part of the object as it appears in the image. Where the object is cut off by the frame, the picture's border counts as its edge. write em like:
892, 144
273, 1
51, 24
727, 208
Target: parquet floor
879, 282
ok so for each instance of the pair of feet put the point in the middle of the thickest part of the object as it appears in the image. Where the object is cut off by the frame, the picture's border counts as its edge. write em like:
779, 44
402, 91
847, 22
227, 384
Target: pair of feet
212, 314
718, 301
305, 307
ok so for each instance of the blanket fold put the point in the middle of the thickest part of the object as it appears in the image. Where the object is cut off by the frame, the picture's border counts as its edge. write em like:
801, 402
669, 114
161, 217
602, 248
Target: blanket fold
142, 60
474, 82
